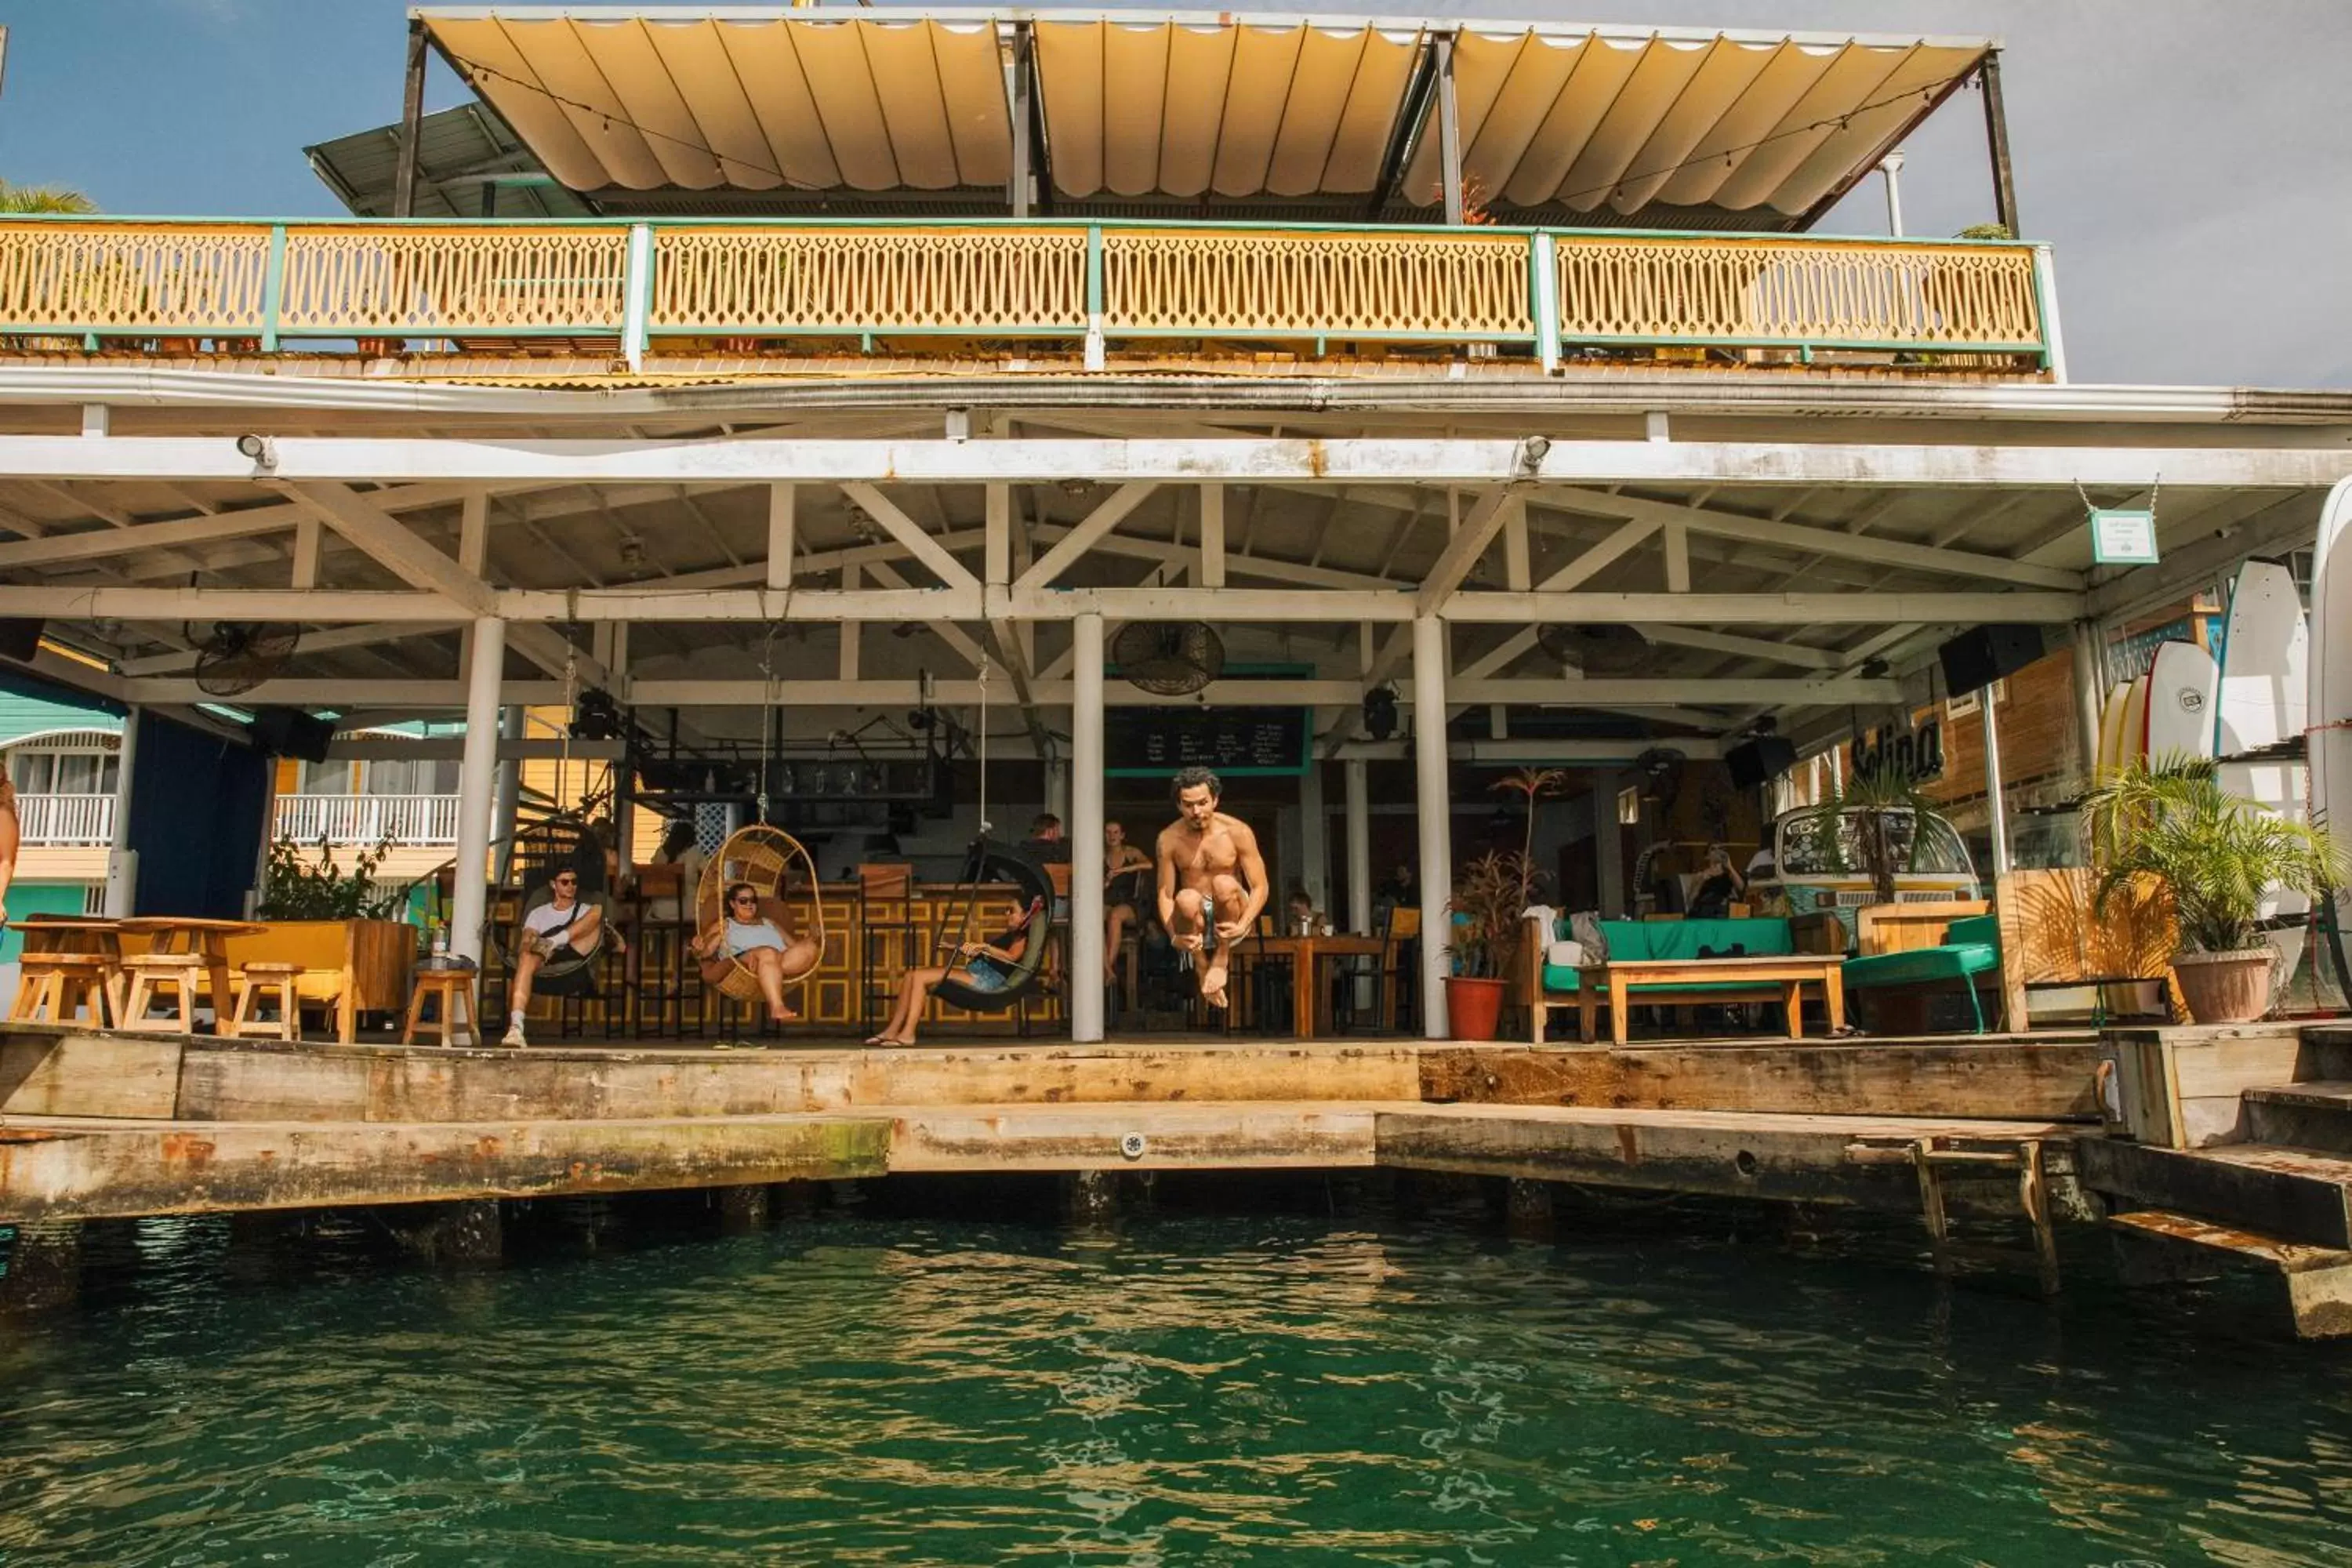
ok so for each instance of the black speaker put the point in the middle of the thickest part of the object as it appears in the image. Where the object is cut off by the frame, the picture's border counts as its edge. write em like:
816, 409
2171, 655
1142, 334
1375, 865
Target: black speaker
1760, 761
1975, 659
20, 639
291, 733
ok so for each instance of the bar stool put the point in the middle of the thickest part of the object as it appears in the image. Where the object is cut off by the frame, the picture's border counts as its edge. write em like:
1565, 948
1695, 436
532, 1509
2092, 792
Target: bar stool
455, 988
149, 973
268, 981
60, 982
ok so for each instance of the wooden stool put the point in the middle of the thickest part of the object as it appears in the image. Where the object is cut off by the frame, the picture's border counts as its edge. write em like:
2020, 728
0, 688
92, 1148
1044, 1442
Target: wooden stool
184, 971
277, 980
455, 989
60, 981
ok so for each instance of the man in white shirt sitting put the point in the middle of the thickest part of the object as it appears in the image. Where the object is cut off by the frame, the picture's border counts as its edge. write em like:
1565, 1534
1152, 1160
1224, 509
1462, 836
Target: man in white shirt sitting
564, 922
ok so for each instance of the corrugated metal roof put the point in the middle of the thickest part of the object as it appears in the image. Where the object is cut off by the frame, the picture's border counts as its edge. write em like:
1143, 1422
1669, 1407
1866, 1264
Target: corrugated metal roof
464, 155
23, 717
1608, 124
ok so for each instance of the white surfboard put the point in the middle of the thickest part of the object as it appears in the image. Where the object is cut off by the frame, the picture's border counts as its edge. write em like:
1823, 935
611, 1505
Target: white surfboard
2182, 683
2111, 730
2135, 741
2266, 662
2328, 716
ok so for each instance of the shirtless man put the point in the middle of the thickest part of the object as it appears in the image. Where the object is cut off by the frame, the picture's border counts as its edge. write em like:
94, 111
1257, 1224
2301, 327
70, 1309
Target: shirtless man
1211, 878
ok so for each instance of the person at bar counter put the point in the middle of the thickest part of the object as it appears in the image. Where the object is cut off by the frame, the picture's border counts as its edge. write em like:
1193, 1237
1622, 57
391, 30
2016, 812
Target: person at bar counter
1125, 869
1211, 878
1718, 885
1301, 917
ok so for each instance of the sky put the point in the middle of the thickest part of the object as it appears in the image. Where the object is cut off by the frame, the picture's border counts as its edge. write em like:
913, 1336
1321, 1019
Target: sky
2189, 160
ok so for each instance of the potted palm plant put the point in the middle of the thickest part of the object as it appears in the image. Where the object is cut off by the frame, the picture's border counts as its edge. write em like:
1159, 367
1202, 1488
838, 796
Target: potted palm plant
1488, 897
2218, 855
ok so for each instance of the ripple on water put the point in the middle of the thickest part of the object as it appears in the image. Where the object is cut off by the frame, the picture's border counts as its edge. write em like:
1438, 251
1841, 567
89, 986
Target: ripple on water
1181, 1391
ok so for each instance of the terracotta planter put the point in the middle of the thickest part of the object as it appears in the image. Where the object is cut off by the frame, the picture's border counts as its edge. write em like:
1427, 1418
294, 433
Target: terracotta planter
1474, 1007
2225, 987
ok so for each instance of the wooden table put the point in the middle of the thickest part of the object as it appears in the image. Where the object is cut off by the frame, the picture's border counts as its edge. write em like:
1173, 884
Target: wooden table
1678, 981
199, 935
73, 934
1310, 1005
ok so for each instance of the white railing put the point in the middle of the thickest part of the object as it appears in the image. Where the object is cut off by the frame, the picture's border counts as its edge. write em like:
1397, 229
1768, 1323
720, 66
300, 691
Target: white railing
64, 818
368, 818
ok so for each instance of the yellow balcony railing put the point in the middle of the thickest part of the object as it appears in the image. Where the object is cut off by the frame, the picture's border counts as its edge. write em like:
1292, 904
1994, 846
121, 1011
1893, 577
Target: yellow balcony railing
650, 288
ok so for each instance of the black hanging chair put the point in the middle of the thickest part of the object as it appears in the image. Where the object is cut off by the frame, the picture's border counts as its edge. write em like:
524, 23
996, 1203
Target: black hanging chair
995, 863
563, 843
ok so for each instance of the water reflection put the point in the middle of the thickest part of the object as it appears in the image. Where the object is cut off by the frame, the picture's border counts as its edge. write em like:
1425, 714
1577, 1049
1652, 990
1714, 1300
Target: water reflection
1171, 1390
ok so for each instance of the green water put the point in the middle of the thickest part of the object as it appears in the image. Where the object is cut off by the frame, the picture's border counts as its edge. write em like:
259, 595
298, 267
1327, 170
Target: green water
1346, 1385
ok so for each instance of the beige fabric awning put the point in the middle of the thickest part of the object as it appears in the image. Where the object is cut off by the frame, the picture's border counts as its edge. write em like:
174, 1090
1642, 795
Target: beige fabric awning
1195, 106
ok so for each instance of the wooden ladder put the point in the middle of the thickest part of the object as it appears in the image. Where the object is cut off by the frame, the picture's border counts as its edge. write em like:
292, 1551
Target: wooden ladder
1935, 1159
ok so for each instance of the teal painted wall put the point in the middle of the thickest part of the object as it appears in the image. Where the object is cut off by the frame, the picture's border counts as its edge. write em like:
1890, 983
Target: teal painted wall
38, 899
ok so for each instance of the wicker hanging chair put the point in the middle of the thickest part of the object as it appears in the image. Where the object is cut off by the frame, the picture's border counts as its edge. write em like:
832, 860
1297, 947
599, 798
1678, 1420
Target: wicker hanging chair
763, 856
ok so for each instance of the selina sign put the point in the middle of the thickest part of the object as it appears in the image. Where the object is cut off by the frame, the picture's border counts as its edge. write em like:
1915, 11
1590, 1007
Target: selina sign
1916, 754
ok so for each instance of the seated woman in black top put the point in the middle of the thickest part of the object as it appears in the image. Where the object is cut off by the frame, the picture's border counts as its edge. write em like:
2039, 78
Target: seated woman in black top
1718, 886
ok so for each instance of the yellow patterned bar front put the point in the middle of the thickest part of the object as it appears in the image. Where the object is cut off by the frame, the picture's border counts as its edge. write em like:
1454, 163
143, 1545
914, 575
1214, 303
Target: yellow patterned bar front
133, 276
1852, 293
984, 281
1382, 283
493, 281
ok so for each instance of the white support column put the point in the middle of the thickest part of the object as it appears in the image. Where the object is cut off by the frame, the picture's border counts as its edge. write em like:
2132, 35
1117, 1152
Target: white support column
1360, 846
1085, 966
121, 869
509, 800
477, 785
1314, 845
1608, 849
1998, 808
637, 294
1435, 804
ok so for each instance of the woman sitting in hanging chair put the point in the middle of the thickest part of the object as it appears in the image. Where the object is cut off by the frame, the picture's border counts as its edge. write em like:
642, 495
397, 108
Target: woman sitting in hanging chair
566, 930
756, 939
984, 966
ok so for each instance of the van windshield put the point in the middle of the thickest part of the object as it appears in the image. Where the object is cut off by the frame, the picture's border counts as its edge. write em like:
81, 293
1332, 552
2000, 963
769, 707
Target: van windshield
1824, 842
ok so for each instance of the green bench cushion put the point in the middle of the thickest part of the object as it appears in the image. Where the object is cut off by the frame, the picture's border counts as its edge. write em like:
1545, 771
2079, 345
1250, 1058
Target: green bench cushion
1680, 940
1953, 960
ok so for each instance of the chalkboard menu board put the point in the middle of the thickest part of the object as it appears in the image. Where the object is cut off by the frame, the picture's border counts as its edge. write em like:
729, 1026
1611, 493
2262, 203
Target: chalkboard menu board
1234, 740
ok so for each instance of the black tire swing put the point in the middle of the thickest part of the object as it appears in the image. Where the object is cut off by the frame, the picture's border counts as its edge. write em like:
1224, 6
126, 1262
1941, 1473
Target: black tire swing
563, 842
992, 862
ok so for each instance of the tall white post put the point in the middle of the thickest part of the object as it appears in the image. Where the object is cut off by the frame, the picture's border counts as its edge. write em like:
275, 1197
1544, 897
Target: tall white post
1891, 166
121, 869
1360, 846
477, 770
1608, 849
1087, 830
1435, 801
509, 801
2000, 819
1314, 838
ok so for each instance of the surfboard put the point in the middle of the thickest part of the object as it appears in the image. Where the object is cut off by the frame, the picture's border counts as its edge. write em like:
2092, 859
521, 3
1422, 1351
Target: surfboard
2328, 715
2134, 739
2111, 729
2182, 683
2266, 662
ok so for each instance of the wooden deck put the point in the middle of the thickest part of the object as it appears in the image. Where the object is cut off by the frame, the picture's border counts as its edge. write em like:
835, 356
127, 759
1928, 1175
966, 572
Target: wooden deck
107, 1125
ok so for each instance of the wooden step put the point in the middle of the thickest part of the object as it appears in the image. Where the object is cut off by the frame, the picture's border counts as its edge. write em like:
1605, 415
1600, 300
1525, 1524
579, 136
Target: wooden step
2295, 1193
2327, 1094
2318, 1278
2268, 1251
2309, 1114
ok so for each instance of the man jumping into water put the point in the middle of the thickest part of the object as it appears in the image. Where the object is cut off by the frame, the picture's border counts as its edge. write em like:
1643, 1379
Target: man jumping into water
1211, 878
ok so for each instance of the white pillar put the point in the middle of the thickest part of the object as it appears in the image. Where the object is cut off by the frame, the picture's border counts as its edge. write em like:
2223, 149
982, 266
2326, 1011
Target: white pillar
1435, 804
477, 785
1314, 845
2000, 808
1608, 849
121, 869
509, 801
1085, 776
1360, 846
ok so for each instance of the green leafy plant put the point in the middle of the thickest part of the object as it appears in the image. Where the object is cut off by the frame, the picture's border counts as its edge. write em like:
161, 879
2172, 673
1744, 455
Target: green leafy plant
29, 200
1490, 894
302, 888
2217, 853
1985, 231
